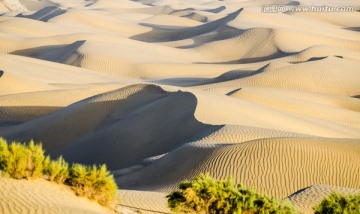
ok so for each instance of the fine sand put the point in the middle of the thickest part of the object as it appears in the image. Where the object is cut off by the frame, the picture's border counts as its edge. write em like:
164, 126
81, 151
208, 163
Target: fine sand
162, 90
40, 196
305, 199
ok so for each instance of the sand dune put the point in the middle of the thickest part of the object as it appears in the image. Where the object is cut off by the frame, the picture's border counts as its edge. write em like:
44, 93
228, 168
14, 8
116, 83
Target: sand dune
40, 196
45, 76
344, 110
144, 202
218, 109
305, 199
117, 110
263, 164
45, 14
163, 35
161, 90
13, 6
23, 107
66, 54
286, 76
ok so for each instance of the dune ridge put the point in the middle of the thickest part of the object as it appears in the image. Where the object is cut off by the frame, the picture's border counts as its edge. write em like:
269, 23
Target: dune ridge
116, 110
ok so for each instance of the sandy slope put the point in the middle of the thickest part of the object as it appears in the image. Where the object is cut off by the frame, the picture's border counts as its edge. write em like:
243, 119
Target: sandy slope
161, 90
71, 132
265, 164
40, 196
306, 199
144, 202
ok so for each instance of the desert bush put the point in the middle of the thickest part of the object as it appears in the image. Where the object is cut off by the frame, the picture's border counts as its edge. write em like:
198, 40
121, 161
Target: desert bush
93, 182
339, 204
4, 154
17, 161
57, 170
35, 164
206, 195
28, 161
21, 161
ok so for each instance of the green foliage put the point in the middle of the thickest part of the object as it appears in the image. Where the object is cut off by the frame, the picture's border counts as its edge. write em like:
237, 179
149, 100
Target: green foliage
35, 165
4, 154
206, 195
57, 170
28, 161
21, 161
339, 204
17, 162
93, 182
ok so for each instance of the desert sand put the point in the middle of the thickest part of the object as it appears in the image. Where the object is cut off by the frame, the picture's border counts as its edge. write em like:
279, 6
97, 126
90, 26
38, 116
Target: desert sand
162, 90
37, 196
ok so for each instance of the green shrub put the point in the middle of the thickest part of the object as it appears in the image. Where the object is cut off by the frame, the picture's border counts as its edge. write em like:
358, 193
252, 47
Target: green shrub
21, 161
57, 170
93, 182
206, 195
28, 161
339, 204
16, 161
35, 164
4, 154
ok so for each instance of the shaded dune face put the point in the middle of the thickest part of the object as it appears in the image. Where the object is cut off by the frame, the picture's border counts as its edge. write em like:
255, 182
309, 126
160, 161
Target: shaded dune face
161, 34
105, 126
276, 166
45, 14
19, 114
65, 54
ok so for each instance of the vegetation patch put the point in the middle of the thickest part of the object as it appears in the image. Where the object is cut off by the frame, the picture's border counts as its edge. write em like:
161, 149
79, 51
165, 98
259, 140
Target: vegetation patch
337, 203
28, 161
93, 182
207, 195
